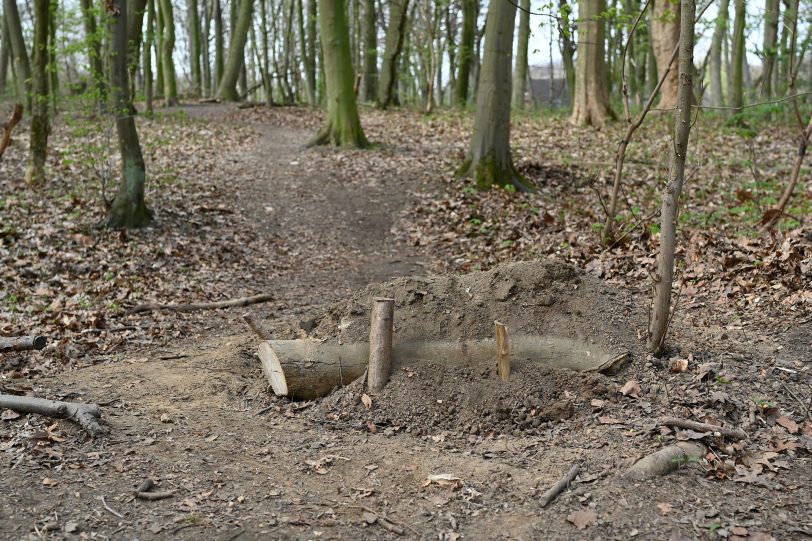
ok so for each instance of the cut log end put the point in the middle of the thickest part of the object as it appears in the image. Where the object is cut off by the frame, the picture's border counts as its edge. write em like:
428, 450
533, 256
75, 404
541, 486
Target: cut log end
272, 369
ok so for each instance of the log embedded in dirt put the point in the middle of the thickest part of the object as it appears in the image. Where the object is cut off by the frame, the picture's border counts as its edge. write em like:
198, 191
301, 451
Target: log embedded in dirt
307, 369
732, 433
153, 496
86, 415
21, 343
502, 351
380, 343
8, 127
665, 460
242, 301
554, 491
256, 327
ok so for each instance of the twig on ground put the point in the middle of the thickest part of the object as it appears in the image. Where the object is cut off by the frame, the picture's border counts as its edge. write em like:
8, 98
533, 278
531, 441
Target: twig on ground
732, 433
242, 301
554, 491
86, 415
113, 511
806, 409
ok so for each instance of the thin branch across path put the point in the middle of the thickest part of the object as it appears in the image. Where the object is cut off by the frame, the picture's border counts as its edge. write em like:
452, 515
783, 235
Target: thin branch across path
242, 301
86, 415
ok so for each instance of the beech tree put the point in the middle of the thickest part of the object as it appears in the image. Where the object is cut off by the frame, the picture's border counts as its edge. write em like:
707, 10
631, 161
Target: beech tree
167, 49
391, 54
719, 34
40, 127
19, 51
128, 208
590, 95
236, 53
5, 53
520, 77
488, 160
664, 279
343, 126
737, 57
665, 32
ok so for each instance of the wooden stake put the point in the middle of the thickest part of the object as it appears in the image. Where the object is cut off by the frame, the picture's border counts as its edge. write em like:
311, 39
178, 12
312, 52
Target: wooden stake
380, 343
502, 351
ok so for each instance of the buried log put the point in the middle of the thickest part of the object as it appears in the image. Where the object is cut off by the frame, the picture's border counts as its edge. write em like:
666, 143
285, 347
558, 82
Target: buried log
21, 343
665, 460
86, 415
307, 369
380, 343
553, 492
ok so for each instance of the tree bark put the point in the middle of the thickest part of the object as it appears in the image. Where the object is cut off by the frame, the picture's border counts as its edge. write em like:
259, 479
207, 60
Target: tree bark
38, 143
205, 55
129, 208
312, 37
167, 51
664, 279
590, 96
737, 56
489, 161
194, 47
135, 25
236, 53
789, 39
665, 32
520, 73
19, 52
567, 47
370, 52
93, 40
770, 53
5, 54
219, 52
461, 90
719, 33
343, 126
148, 43
391, 55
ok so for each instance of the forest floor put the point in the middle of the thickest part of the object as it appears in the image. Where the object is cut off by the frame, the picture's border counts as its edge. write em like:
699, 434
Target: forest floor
242, 207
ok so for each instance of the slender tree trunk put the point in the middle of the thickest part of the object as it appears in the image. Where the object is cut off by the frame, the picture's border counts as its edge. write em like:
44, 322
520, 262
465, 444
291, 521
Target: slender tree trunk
266, 64
591, 99
737, 57
394, 45
567, 47
5, 54
520, 73
488, 160
665, 29
148, 43
38, 143
343, 123
370, 52
22, 65
236, 54
719, 33
789, 44
167, 50
312, 37
135, 24
770, 46
469, 12
128, 208
194, 47
661, 309
94, 54
159, 41
219, 52
53, 74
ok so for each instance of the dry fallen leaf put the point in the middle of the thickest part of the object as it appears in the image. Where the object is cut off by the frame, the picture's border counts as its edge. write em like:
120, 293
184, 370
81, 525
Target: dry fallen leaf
48, 482
631, 388
664, 507
678, 365
606, 420
367, 400
582, 519
444, 480
789, 424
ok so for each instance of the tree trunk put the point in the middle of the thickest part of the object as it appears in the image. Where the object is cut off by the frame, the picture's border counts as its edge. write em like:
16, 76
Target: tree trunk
466, 52
219, 52
128, 208
520, 74
194, 47
159, 40
590, 97
737, 56
664, 280
266, 63
312, 36
770, 52
19, 52
789, 42
719, 33
53, 74
236, 54
665, 29
38, 143
205, 56
167, 50
93, 40
567, 47
148, 82
489, 161
5, 54
343, 123
135, 24
394, 45
370, 52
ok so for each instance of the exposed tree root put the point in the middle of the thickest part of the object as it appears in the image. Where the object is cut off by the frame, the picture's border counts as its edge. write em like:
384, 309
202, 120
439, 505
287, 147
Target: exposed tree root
665, 460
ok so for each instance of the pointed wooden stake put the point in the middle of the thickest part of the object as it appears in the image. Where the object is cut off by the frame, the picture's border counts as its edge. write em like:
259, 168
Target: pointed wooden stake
502, 351
380, 343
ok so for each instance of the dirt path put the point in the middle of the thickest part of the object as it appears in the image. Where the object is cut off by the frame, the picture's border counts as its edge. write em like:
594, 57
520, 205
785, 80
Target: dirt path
188, 416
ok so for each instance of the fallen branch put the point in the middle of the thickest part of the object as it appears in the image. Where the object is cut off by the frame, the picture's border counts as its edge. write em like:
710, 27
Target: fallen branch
242, 301
21, 343
113, 511
86, 415
554, 491
665, 460
14, 119
732, 433
154, 496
